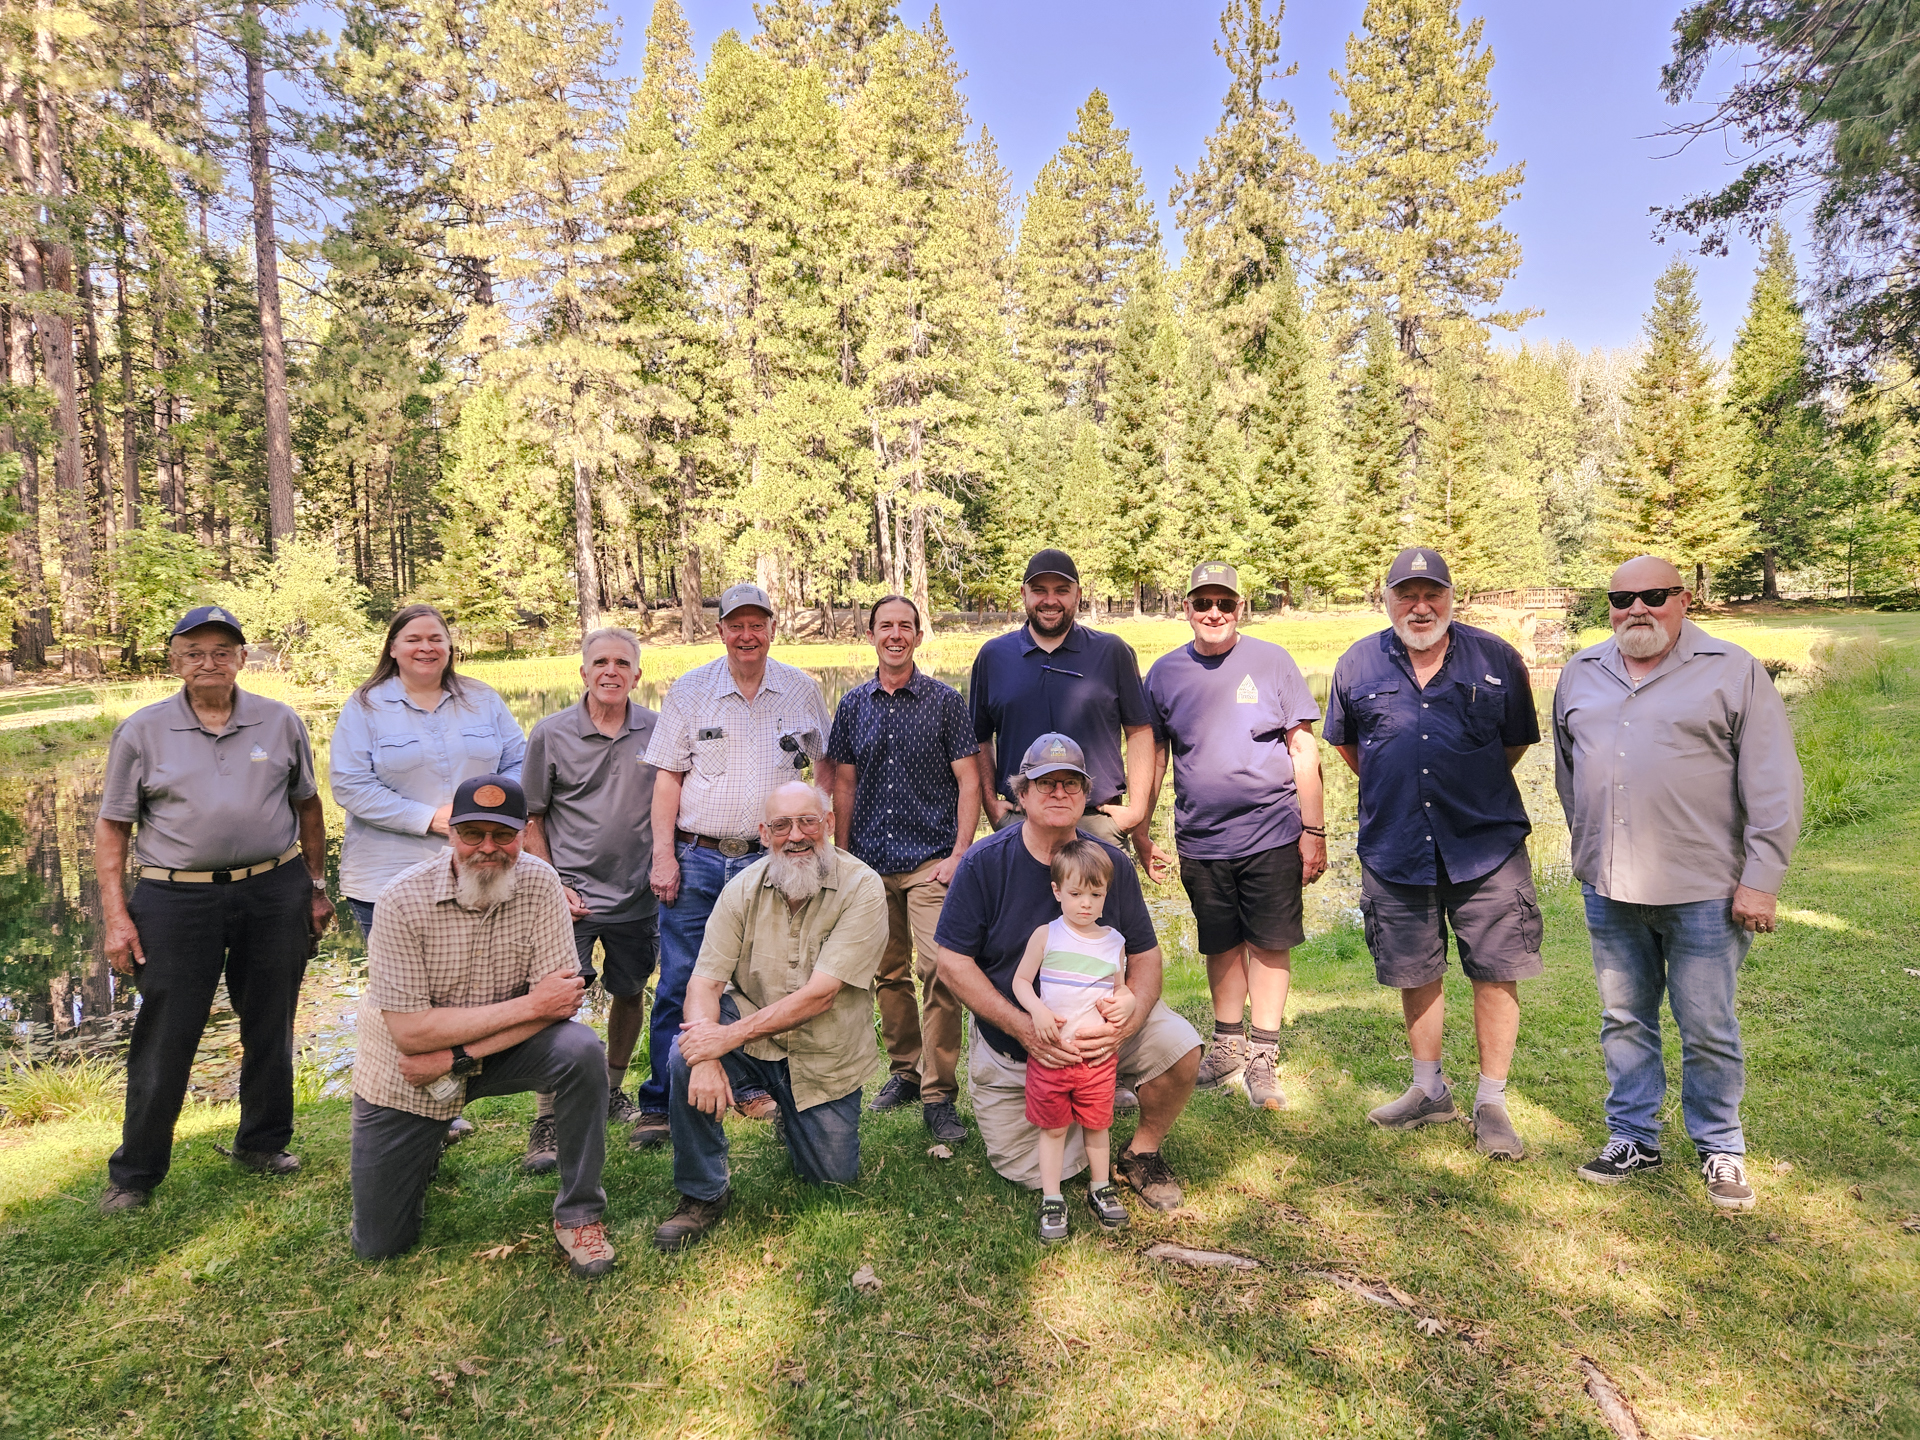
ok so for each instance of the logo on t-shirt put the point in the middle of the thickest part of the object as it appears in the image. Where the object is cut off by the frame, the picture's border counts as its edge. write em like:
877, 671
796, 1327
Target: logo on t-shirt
1248, 693
258, 754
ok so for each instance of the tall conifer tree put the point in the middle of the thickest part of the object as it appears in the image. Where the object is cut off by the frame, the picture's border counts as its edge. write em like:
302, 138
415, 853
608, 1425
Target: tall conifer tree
1376, 444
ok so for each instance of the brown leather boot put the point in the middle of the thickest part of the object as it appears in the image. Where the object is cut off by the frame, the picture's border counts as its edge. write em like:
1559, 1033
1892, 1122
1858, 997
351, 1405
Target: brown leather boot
689, 1221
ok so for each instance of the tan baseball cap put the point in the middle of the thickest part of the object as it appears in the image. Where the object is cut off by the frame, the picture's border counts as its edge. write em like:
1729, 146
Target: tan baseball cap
1214, 572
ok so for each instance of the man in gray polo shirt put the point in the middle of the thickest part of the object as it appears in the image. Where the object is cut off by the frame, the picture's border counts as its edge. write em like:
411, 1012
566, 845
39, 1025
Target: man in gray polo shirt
220, 785
590, 815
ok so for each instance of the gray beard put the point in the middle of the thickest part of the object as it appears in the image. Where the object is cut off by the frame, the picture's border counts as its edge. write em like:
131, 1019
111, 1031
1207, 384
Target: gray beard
799, 877
481, 887
1642, 642
1417, 644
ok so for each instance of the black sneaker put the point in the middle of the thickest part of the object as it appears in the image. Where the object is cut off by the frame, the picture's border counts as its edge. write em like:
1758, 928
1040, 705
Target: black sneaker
266, 1162
1053, 1221
1617, 1161
620, 1108
899, 1090
1108, 1209
944, 1123
1726, 1177
543, 1148
116, 1198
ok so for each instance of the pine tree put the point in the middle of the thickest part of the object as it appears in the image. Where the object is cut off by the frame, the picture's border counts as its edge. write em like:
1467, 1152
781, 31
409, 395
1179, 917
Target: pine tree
1087, 514
1212, 516
1137, 433
1376, 443
1534, 455
1286, 441
1679, 495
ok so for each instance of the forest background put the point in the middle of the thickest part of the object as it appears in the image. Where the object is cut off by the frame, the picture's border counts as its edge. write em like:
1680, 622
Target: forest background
434, 306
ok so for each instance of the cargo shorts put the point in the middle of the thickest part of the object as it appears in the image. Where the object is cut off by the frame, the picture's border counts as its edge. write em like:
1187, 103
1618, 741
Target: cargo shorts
1495, 922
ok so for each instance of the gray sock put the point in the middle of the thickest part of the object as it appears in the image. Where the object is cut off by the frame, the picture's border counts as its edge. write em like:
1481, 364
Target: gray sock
1426, 1074
543, 1107
1491, 1092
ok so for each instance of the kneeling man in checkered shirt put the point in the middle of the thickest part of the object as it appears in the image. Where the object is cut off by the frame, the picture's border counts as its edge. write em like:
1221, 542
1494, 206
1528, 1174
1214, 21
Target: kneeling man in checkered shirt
471, 990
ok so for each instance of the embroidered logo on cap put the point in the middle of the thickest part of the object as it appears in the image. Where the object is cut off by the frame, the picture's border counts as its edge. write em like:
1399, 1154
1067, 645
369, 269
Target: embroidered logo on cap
1419, 562
1248, 693
258, 754
1056, 751
490, 796
218, 614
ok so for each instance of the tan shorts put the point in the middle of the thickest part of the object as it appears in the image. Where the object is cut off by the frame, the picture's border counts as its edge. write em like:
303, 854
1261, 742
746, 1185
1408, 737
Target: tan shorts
999, 1092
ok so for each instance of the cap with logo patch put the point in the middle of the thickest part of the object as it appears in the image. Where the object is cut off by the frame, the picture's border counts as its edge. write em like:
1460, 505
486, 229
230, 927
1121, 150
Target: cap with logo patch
739, 597
1051, 753
490, 797
209, 615
1214, 572
1051, 562
1417, 562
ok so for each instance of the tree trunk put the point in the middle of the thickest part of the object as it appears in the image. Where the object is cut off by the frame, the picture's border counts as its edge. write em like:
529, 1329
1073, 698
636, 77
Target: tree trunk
129, 412
586, 569
273, 347
689, 569
1700, 583
34, 631
1136, 601
916, 565
102, 478
1769, 574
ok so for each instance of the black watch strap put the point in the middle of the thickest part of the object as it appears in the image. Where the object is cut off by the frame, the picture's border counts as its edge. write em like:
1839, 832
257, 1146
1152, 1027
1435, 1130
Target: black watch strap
463, 1063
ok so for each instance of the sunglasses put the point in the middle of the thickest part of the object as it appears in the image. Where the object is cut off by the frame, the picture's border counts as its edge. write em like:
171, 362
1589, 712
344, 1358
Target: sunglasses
1652, 599
1203, 603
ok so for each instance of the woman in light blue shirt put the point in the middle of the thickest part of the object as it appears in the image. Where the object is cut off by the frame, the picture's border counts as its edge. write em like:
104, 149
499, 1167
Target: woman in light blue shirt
402, 745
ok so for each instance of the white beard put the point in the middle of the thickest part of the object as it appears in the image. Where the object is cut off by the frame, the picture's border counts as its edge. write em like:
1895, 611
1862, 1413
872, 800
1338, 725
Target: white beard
1417, 643
1642, 642
799, 877
481, 887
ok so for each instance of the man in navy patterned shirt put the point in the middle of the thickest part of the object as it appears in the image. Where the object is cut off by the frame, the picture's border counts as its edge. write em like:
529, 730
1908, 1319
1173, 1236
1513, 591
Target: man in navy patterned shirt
906, 800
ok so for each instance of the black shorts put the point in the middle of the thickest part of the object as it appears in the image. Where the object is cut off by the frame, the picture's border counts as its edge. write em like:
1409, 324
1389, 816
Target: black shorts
1251, 899
632, 949
1495, 922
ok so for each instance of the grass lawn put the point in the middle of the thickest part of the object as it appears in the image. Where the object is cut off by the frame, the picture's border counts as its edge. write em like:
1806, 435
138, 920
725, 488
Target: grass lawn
233, 1305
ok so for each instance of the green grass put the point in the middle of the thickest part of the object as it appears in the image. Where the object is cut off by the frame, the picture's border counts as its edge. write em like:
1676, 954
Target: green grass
32, 1094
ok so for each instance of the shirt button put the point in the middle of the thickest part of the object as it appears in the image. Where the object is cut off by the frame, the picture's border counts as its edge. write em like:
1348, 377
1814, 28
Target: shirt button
1423, 705
1423, 737
1423, 772
1429, 804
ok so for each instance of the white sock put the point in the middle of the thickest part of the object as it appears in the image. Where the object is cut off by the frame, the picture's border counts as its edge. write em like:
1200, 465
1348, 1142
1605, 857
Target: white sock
1491, 1092
1426, 1074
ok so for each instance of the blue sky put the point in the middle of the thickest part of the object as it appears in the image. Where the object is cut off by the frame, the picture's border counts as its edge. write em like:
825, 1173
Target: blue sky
1577, 86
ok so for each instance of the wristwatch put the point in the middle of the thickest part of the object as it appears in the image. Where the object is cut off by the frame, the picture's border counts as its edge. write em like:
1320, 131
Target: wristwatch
463, 1063
319, 883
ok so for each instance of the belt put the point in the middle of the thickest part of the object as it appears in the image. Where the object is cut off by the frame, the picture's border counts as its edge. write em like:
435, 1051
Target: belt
219, 877
732, 849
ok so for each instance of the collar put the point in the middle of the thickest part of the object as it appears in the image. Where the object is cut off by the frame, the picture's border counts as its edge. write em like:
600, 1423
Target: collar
1693, 641
1072, 640
588, 729
769, 680
394, 688
246, 711
913, 687
1395, 649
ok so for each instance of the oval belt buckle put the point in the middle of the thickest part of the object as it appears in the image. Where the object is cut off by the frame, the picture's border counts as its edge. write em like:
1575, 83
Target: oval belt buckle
733, 849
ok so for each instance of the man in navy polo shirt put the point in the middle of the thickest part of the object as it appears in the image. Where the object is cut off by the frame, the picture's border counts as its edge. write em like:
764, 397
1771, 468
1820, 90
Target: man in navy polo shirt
906, 800
1053, 675
1432, 717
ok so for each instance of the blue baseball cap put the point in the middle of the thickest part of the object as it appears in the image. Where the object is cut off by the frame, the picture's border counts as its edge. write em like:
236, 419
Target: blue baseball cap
1054, 752
1417, 562
209, 615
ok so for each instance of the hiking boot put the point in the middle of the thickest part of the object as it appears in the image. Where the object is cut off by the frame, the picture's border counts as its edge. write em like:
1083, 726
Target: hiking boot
943, 1122
1125, 1102
1493, 1133
265, 1162
1226, 1057
1413, 1110
899, 1090
1263, 1083
589, 1256
650, 1128
543, 1148
620, 1108
1147, 1175
1053, 1221
1617, 1161
757, 1107
1104, 1201
690, 1220
458, 1129
1727, 1186
116, 1198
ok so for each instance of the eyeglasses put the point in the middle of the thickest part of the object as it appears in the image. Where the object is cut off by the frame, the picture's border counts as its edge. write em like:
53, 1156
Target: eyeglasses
1203, 603
221, 658
1652, 599
805, 824
1056, 784
479, 834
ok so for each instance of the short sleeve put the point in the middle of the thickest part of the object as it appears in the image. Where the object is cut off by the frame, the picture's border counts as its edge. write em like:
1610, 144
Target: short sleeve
120, 798
397, 961
966, 913
1126, 909
956, 731
978, 702
1522, 725
1300, 705
535, 780
840, 742
513, 740
852, 949
1335, 732
302, 782
1157, 711
671, 747
1132, 695
822, 721
725, 935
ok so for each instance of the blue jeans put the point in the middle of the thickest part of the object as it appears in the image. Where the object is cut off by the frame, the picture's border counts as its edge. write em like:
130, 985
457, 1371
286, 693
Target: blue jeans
704, 874
1692, 954
362, 916
823, 1142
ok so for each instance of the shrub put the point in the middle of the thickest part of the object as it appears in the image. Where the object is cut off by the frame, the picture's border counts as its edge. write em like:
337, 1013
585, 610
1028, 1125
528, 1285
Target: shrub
33, 1093
1846, 754
312, 612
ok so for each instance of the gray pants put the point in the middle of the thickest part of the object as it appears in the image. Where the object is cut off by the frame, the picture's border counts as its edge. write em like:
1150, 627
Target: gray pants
395, 1152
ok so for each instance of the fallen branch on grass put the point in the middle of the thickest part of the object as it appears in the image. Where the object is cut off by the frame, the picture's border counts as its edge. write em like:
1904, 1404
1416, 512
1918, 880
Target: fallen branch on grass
1218, 1259
1386, 1299
1614, 1408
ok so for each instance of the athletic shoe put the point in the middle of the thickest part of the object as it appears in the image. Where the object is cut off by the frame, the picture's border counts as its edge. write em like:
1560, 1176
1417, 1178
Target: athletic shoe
1053, 1221
1617, 1162
899, 1090
589, 1256
543, 1147
1125, 1102
757, 1107
620, 1108
1263, 1084
650, 1128
116, 1198
1147, 1175
1493, 1133
1104, 1201
1413, 1110
944, 1123
266, 1162
1726, 1177
1225, 1059
690, 1220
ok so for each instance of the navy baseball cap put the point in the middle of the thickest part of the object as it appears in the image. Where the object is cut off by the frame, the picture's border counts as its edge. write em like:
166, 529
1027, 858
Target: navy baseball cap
209, 615
1052, 562
1054, 752
490, 797
1417, 562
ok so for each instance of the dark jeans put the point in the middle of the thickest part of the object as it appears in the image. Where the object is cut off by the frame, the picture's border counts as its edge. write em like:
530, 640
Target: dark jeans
395, 1152
823, 1142
704, 874
362, 915
257, 930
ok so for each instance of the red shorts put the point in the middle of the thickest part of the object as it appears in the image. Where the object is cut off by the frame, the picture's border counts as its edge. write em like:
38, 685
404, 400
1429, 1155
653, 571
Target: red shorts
1079, 1094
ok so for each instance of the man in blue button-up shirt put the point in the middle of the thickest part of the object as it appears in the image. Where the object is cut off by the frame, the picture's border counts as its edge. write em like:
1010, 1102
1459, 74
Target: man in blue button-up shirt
1432, 717
906, 801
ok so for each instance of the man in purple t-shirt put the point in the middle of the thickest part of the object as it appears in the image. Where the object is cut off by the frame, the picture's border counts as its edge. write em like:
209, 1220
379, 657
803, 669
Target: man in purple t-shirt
1248, 821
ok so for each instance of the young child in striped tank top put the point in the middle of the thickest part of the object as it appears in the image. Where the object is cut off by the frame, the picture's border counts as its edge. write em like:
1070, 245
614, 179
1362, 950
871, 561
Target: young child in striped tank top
1073, 970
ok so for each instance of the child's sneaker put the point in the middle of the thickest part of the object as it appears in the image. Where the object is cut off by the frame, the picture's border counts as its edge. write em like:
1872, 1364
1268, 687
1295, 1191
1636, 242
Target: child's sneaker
1104, 1201
1053, 1221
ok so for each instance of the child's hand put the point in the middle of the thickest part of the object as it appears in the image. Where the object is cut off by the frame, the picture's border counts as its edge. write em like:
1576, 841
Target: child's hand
1046, 1025
1116, 1009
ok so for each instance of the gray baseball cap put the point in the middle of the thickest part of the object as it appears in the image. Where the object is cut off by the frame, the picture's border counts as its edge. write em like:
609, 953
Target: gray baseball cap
1053, 752
1214, 572
739, 597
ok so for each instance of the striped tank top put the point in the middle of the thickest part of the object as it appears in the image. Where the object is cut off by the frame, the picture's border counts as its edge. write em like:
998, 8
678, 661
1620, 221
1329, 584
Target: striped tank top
1075, 972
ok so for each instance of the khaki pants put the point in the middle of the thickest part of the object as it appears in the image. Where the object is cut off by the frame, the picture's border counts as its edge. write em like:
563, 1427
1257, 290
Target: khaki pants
923, 1041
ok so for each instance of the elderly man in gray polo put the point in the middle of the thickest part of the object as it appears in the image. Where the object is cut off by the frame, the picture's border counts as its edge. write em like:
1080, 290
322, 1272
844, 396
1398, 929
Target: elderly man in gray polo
1675, 765
220, 786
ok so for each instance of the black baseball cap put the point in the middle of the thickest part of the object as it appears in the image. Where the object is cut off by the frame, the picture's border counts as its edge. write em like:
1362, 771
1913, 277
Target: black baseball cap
209, 615
1417, 562
1052, 562
490, 797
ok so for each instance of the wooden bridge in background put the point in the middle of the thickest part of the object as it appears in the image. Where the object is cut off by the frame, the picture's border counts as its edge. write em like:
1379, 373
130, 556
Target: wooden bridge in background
1536, 597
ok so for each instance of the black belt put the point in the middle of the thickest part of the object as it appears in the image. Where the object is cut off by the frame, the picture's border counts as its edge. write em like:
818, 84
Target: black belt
732, 849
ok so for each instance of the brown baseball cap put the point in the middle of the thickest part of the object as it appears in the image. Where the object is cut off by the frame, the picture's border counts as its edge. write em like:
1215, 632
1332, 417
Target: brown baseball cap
1214, 572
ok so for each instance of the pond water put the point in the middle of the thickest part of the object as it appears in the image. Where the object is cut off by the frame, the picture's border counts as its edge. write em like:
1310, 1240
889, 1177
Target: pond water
59, 999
